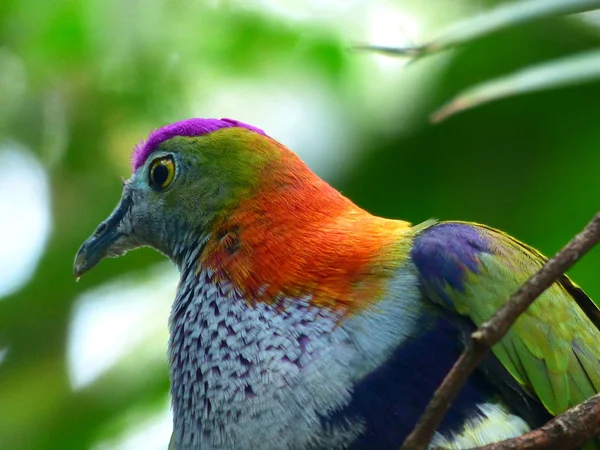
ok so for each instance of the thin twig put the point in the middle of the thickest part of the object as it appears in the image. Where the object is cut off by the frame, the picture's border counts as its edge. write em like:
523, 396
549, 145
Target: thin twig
412, 53
491, 331
569, 430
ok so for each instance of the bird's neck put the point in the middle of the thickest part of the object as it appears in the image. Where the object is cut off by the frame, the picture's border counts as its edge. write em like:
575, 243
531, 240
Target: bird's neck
256, 322
302, 238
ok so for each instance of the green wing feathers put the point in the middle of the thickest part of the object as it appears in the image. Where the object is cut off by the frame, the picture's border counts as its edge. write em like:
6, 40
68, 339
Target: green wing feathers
553, 348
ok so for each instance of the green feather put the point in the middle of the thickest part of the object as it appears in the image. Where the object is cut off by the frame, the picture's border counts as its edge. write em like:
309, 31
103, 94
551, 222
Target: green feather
553, 349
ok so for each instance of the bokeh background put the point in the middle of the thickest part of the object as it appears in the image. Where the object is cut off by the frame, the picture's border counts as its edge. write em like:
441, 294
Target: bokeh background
83, 365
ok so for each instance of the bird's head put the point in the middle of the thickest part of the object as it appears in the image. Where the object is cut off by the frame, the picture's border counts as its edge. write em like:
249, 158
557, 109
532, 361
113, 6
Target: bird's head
186, 176
223, 195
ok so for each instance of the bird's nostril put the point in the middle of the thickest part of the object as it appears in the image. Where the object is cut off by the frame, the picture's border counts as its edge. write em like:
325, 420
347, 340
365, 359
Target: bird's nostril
101, 228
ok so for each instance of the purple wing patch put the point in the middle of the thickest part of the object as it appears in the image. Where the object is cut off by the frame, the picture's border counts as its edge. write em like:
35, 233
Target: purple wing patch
444, 253
189, 127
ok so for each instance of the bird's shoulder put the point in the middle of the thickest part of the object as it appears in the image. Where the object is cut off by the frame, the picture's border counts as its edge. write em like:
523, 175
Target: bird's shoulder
473, 269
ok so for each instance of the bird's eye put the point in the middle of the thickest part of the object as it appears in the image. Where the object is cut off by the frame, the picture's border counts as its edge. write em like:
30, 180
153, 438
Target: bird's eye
162, 172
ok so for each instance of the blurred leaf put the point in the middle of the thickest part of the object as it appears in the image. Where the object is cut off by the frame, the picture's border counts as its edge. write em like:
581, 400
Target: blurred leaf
505, 16
577, 69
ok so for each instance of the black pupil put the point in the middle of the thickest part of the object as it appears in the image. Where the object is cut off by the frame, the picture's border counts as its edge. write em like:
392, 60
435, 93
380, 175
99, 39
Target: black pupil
160, 175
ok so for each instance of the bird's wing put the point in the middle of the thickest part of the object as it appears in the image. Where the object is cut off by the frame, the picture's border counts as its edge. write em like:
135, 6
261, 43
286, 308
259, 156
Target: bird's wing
553, 349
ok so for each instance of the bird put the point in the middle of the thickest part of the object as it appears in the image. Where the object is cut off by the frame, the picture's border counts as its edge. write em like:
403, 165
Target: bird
301, 321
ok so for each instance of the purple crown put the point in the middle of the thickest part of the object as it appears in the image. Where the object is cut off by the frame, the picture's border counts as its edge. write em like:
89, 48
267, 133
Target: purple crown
189, 127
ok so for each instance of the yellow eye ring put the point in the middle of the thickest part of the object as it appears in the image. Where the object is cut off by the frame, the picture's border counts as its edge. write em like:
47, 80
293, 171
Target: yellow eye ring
162, 172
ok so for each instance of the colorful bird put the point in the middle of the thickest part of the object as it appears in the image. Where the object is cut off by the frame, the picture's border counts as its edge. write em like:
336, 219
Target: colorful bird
302, 321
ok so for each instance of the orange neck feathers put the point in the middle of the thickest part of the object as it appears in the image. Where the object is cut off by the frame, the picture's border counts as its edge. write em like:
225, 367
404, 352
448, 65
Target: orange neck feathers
297, 237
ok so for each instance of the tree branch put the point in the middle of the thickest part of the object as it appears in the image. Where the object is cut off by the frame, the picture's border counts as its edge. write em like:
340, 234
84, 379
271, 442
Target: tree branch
491, 331
569, 430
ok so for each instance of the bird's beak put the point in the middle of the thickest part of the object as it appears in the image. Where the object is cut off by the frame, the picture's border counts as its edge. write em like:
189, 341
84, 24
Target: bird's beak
107, 240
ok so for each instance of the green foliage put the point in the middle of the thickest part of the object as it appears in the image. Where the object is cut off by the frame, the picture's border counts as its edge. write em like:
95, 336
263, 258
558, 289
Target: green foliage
99, 75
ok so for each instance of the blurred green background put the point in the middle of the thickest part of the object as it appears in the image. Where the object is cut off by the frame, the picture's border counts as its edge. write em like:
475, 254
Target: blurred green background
83, 365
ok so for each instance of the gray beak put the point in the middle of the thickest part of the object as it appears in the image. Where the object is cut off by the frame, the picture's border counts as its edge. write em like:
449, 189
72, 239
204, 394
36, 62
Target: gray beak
106, 240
